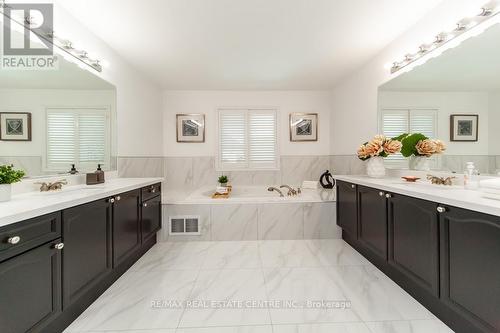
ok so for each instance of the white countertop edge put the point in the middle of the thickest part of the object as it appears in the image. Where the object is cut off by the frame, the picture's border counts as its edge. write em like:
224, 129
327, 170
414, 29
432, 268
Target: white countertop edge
460, 198
114, 187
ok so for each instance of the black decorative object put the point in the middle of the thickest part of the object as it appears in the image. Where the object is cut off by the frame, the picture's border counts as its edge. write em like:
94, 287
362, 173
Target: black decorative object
326, 180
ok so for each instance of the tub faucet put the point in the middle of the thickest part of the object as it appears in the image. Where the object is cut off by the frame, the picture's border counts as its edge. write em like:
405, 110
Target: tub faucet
271, 189
291, 191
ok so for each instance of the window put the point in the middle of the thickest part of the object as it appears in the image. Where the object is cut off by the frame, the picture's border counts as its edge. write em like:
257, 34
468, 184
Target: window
78, 136
394, 122
247, 139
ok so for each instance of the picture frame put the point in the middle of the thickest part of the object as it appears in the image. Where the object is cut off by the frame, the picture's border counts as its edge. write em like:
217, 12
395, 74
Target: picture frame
303, 127
464, 127
190, 128
15, 126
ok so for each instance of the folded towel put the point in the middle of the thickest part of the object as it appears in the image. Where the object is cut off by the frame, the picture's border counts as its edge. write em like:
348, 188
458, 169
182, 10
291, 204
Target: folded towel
490, 184
310, 184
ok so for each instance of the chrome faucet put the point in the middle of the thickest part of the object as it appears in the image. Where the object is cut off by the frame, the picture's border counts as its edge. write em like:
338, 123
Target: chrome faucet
271, 189
46, 187
291, 191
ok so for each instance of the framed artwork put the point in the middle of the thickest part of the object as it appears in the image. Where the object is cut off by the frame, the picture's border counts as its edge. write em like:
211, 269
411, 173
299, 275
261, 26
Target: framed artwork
303, 127
191, 128
464, 127
15, 126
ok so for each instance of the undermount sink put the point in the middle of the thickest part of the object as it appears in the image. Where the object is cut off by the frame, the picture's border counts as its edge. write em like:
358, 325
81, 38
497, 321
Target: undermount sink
429, 186
72, 189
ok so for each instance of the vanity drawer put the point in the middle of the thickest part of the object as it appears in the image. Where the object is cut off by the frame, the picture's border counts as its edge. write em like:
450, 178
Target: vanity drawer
151, 191
19, 237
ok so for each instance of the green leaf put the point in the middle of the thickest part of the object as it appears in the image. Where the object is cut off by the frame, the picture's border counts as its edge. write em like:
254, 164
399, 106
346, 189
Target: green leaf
9, 176
409, 143
401, 137
223, 179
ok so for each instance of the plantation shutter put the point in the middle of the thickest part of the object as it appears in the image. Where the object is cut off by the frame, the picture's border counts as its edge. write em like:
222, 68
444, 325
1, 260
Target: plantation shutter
78, 136
395, 123
247, 139
423, 121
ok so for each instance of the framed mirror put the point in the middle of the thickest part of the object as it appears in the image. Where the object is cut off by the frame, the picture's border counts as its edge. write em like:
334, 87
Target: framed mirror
455, 98
51, 119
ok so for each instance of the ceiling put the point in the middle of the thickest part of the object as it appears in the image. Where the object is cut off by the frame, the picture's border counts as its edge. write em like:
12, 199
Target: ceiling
248, 44
473, 66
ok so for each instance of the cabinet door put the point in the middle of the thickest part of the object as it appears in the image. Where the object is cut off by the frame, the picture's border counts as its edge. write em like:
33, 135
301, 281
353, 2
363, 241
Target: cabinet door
470, 266
151, 218
126, 226
372, 219
347, 215
30, 290
413, 240
87, 257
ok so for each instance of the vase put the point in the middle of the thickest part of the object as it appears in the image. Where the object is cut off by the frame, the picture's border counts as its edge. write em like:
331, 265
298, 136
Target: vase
5, 192
375, 167
420, 163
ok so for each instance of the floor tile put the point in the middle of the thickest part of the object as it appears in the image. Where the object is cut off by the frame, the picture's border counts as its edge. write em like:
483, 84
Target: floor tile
283, 253
173, 256
128, 304
231, 329
336, 252
306, 290
374, 296
232, 255
322, 328
414, 326
243, 285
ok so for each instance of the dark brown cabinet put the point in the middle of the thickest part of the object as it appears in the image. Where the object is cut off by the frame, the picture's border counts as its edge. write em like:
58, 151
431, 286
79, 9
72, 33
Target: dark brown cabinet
413, 240
470, 266
87, 257
150, 218
347, 213
30, 290
126, 225
372, 220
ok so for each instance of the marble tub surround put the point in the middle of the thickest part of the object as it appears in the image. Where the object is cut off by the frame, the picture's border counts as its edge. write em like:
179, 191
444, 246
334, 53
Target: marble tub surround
297, 271
455, 196
32, 204
238, 222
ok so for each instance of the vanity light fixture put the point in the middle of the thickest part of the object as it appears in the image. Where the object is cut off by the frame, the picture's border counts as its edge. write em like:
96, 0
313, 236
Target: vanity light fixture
63, 44
466, 24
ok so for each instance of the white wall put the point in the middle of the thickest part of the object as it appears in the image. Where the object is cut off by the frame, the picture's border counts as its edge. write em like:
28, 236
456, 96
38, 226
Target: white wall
139, 111
36, 102
447, 103
354, 99
494, 123
207, 102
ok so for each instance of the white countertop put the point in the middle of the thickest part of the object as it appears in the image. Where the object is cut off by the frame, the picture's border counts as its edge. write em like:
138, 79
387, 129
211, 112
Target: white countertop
455, 196
33, 204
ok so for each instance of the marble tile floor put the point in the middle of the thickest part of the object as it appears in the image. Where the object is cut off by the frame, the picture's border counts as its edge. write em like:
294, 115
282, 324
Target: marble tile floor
306, 286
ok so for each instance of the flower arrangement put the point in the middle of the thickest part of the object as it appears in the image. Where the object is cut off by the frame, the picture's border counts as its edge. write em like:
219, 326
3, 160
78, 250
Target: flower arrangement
9, 176
418, 144
379, 146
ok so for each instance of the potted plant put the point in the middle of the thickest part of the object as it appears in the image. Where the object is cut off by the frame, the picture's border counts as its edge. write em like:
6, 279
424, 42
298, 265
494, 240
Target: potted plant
374, 152
8, 176
223, 181
419, 148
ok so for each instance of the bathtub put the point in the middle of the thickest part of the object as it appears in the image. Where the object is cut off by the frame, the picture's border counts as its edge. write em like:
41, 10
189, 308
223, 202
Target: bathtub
251, 194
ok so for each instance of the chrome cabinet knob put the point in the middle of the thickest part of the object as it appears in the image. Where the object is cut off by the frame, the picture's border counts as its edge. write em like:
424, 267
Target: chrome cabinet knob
59, 246
118, 198
381, 194
441, 210
353, 186
153, 190
14, 240
388, 195
145, 204
111, 200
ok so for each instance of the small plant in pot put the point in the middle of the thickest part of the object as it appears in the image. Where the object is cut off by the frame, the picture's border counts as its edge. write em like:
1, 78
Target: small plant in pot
374, 152
8, 176
223, 181
419, 148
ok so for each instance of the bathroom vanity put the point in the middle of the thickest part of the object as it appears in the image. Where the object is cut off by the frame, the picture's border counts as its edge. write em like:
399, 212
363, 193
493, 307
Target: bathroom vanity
60, 251
442, 245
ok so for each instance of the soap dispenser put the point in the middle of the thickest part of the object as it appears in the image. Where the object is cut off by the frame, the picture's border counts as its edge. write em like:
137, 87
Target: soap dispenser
100, 174
470, 178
